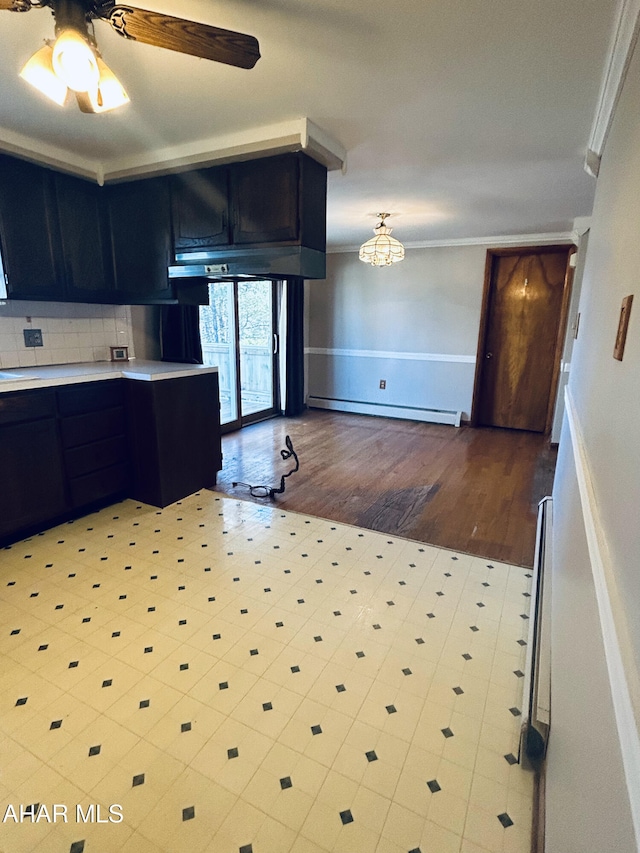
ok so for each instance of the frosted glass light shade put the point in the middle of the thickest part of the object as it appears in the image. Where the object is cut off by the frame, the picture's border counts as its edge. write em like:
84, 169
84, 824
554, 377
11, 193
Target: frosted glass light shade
383, 249
110, 93
75, 62
39, 72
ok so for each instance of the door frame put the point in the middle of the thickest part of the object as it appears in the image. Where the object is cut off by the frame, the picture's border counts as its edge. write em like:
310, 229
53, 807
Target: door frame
571, 249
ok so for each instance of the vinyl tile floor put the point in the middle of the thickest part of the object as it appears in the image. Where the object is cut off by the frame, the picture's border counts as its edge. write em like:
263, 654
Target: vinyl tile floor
227, 677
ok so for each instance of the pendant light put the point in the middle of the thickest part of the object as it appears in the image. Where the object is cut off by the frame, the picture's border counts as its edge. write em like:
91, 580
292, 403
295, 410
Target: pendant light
383, 249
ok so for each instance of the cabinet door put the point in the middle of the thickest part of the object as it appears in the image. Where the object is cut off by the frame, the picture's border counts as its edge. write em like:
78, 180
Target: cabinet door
29, 231
200, 205
265, 200
30, 461
85, 240
140, 225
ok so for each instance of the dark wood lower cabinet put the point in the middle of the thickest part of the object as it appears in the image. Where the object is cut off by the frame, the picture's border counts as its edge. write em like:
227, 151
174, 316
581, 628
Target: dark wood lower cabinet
174, 426
93, 426
33, 489
70, 450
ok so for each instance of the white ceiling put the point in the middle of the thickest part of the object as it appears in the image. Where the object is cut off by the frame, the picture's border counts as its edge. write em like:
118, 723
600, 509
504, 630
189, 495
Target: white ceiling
464, 118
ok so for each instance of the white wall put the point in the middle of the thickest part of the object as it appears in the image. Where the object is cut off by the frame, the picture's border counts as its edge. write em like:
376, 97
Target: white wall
70, 332
414, 324
593, 793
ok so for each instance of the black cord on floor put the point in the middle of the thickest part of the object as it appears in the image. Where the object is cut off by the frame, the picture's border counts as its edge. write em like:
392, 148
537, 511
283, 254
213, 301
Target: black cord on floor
265, 491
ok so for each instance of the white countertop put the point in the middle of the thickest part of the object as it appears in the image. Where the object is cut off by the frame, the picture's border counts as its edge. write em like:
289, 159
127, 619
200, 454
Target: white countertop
24, 378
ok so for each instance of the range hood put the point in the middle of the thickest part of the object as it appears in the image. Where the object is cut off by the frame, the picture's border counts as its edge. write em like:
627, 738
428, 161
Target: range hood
274, 262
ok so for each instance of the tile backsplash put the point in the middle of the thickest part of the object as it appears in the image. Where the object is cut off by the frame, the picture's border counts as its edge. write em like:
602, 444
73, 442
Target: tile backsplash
71, 332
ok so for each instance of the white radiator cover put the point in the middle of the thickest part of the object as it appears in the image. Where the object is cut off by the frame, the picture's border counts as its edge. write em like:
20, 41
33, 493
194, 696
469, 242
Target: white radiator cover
436, 416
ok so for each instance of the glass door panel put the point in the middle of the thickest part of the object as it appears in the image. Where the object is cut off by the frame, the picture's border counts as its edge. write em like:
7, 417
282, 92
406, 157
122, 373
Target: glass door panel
256, 343
237, 330
219, 348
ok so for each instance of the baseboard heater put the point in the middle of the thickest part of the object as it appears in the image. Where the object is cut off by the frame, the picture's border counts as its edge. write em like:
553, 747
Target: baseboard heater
411, 413
537, 683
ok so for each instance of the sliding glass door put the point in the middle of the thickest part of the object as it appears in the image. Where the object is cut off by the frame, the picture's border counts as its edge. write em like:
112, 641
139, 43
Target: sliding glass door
238, 331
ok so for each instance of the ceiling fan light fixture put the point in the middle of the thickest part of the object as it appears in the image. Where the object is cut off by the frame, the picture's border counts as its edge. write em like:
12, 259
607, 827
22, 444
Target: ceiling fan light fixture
38, 71
110, 93
75, 61
383, 249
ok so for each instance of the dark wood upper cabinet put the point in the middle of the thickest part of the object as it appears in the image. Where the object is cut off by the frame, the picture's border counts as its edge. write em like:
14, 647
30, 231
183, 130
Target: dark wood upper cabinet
270, 201
265, 200
85, 240
141, 238
200, 205
279, 200
63, 238
29, 230
312, 203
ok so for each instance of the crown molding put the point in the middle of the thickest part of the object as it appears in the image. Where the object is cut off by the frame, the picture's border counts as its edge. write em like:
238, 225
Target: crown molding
295, 135
551, 238
623, 42
581, 224
47, 155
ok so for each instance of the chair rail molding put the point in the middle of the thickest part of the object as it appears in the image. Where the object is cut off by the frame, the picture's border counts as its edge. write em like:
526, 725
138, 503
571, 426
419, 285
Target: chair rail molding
403, 356
623, 42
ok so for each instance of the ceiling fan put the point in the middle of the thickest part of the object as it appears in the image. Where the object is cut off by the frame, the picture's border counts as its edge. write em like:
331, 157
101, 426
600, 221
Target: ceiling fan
74, 62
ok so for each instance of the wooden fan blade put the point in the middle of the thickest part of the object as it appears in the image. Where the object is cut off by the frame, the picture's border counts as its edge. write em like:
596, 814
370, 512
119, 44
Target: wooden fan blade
16, 5
184, 36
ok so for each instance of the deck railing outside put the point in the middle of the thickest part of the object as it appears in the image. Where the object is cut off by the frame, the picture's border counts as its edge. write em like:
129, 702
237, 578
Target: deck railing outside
255, 390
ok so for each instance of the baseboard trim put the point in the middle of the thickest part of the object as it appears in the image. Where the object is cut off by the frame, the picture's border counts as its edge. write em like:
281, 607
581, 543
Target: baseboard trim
358, 407
539, 809
619, 665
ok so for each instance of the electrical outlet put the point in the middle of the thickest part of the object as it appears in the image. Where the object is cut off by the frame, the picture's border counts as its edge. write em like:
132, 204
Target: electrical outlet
383, 384
33, 338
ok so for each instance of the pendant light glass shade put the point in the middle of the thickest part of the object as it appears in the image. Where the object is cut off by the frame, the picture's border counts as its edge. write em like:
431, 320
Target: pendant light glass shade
40, 74
383, 249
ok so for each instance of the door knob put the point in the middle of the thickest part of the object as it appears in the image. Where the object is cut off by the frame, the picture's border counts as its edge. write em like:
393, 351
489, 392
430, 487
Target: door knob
489, 355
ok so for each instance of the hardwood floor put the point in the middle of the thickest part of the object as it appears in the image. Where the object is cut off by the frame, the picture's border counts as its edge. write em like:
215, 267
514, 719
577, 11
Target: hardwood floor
472, 490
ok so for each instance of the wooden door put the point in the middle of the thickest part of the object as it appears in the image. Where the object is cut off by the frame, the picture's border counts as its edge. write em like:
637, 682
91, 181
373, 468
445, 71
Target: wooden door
524, 317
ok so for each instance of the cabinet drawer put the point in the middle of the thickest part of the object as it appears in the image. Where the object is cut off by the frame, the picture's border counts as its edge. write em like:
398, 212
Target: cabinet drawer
94, 456
90, 397
26, 406
93, 426
99, 485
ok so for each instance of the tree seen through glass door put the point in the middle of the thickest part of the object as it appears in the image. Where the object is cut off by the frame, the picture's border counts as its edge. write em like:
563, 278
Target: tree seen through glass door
237, 333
